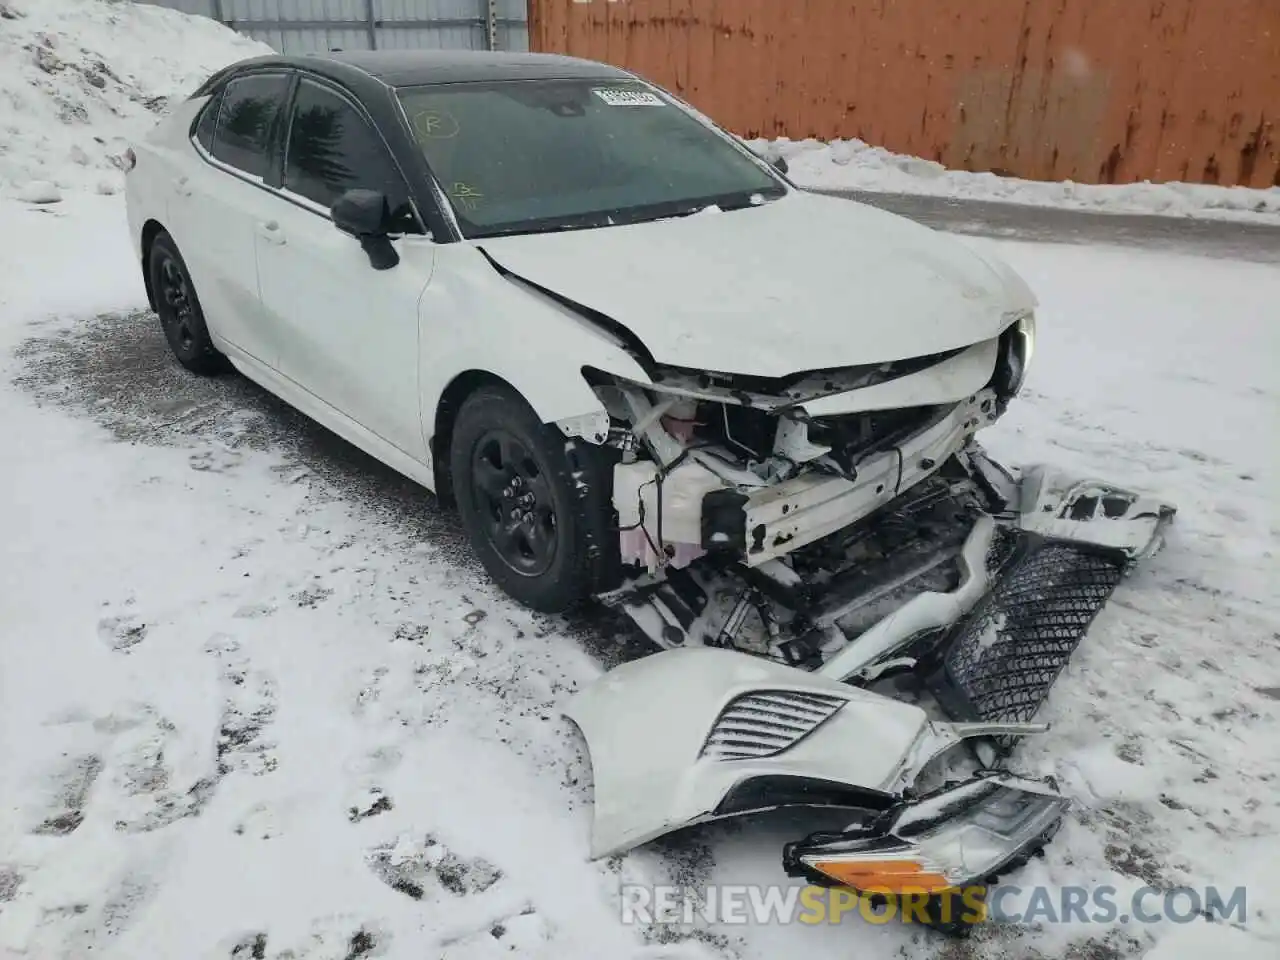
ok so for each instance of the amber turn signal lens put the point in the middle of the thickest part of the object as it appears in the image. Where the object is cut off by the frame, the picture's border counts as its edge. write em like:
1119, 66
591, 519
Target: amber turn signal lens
886, 876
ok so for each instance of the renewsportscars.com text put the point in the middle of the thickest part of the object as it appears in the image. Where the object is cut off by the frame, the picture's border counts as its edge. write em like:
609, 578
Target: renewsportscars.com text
1005, 903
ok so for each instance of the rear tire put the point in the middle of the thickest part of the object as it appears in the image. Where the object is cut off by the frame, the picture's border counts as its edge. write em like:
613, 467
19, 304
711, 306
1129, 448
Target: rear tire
178, 308
536, 506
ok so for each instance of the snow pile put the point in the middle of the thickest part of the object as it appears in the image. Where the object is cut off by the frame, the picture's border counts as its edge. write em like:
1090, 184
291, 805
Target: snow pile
855, 165
80, 78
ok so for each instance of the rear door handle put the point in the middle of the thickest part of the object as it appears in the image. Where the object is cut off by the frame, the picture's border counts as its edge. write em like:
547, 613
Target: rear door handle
269, 230
182, 188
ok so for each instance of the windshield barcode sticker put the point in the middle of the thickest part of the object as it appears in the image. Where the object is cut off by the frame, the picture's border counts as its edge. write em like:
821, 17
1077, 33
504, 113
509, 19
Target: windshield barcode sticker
629, 98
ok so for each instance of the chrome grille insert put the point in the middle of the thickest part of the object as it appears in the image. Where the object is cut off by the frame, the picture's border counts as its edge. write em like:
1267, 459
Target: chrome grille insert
767, 722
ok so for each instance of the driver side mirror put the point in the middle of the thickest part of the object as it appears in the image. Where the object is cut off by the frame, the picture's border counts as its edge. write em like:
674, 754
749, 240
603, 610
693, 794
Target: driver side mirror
366, 215
779, 164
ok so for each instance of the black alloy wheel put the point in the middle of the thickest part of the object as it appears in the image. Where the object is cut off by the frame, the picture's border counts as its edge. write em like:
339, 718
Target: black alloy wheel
175, 306
178, 307
514, 497
537, 506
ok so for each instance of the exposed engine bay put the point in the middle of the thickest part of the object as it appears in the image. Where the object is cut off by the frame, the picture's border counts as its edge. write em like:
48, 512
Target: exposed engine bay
836, 529
761, 514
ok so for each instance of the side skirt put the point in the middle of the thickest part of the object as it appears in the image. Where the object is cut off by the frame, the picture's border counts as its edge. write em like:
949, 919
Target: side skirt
330, 417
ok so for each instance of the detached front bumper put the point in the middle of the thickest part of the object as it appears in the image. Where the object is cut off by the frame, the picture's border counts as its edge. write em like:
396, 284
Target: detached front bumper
737, 735
698, 734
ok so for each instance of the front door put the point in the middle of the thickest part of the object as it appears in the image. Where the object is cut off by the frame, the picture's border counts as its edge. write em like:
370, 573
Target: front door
349, 332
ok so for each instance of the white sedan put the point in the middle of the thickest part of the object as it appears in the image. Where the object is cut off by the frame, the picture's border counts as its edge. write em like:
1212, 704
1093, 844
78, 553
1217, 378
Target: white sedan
649, 370
642, 363
626, 346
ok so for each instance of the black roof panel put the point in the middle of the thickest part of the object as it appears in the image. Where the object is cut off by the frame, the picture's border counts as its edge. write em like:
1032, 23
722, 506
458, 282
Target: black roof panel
403, 68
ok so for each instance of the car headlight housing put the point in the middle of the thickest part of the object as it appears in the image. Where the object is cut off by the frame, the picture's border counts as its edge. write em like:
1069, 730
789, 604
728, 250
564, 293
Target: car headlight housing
953, 839
1017, 346
1027, 327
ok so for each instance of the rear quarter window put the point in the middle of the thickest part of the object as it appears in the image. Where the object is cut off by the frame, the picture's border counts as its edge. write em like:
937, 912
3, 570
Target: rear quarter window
247, 121
208, 121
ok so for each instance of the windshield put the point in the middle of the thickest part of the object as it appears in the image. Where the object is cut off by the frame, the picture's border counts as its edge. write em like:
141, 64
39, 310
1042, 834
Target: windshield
522, 156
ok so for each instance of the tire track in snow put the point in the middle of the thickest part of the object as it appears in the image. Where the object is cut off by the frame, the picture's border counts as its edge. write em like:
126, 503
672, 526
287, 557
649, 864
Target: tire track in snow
455, 659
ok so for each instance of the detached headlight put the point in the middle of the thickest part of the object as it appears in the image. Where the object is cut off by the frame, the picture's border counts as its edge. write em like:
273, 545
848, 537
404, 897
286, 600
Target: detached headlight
953, 839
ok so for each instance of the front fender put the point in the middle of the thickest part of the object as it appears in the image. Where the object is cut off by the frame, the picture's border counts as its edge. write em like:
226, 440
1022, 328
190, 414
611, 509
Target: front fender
472, 318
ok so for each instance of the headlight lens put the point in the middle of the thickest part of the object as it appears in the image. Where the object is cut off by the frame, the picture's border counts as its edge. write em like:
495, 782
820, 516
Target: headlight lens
950, 840
1027, 327
1017, 345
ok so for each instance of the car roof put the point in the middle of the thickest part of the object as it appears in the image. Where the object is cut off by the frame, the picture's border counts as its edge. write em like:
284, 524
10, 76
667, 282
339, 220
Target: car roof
407, 68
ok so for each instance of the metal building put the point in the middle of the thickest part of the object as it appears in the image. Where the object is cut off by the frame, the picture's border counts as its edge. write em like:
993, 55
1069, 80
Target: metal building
303, 26
1094, 91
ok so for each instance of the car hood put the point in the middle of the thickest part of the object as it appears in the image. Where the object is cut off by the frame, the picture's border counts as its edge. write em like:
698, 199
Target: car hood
805, 282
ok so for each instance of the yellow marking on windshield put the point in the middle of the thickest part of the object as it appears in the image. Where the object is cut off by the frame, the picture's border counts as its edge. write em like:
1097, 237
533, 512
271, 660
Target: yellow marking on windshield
435, 124
467, 195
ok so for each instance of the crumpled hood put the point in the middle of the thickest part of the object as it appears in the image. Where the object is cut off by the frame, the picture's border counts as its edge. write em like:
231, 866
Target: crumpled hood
806, 282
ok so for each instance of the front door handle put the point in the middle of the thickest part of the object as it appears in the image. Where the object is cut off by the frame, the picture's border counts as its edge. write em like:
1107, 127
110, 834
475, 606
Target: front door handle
269, 230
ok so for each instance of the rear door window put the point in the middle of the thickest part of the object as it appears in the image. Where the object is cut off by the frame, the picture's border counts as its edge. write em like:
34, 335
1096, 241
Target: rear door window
332, 149
246, 119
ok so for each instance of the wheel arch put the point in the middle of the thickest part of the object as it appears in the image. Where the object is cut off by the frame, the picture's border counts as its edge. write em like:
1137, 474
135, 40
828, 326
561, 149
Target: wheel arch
150, 230
587, 470
591, 425
446, 414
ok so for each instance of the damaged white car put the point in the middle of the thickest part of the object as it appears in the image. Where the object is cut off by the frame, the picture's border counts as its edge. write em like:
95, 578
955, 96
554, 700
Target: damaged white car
651, 371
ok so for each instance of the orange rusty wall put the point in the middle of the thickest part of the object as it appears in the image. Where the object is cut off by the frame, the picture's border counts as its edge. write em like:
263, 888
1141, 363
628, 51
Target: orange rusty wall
1086, 90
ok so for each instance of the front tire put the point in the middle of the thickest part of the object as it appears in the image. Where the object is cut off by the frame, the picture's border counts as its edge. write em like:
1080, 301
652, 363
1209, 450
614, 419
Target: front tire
178, 307
536, 506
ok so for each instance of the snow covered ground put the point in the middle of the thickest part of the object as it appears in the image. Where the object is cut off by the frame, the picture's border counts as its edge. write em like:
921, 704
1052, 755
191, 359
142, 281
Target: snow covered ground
854, 165
254, 690
258, 701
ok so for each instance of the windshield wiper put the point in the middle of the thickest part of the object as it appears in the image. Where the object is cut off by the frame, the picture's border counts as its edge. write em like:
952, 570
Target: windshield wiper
624, 217
518, 229
755, 198
737, 201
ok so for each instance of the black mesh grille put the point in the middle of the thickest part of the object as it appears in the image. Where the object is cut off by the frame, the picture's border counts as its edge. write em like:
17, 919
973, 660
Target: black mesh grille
1003, 658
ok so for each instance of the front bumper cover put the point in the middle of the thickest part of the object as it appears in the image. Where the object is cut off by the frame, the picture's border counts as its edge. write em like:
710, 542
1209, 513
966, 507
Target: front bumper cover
699, 734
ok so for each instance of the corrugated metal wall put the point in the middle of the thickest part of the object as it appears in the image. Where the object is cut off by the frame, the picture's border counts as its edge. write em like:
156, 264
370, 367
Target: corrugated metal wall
1088, 90
304, 26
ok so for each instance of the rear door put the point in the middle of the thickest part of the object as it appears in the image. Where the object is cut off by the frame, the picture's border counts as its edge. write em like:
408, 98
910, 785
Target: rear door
219, 201
349, 332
